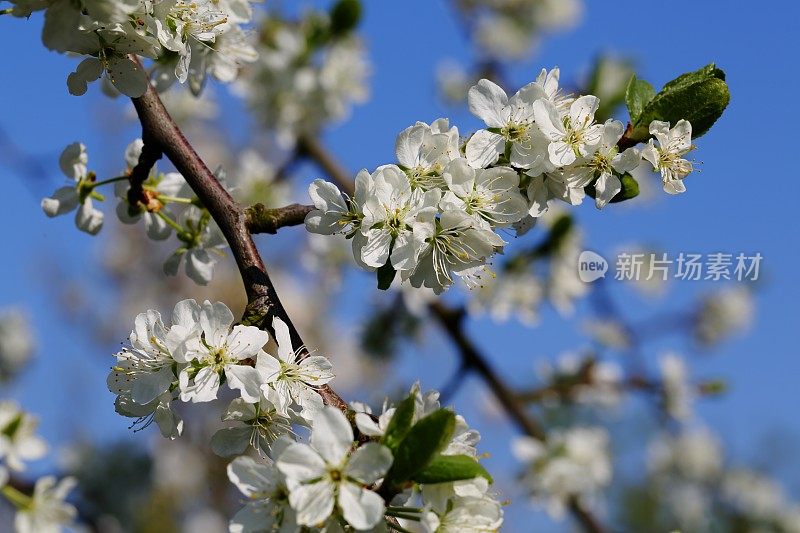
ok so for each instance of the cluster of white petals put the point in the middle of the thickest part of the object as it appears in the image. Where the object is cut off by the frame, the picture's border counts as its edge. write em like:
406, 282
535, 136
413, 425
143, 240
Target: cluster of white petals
296, 87
163, 201
16, 342
436, 214
45, 509
186, 39
200, 351
572, 463
333, 482
510, 29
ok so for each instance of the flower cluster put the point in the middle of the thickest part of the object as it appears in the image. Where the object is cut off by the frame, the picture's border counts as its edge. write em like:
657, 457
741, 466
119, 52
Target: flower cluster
187, 40
45, 509
163, 201
436, 213
200, 351
334, 481
572, 463
16, 342
510, 29
299, 83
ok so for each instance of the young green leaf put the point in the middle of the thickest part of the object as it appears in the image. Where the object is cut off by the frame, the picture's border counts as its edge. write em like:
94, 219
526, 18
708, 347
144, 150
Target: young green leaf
345, 15
446, 468
699, 97
400, 423
630, 189
638, 94
386, 275
423, 442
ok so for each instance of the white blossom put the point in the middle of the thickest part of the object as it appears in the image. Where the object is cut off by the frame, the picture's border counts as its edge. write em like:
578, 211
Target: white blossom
452, 243
267, 507
572, 463
604, 163
423, 151
16, 342
572, 134
391, 209
324, 475
219, 352
509, 294
292, 377
258, 426
78, 194
202, 247
47, 511
491, 196
724, 313
510, 120
470, 514
18, 439
365, 421
695, 454
157, 190
666, 157
678, 393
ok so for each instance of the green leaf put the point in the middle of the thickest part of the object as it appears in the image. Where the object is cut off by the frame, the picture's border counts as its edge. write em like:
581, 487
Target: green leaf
638, 94
707, 72
699, 97
400, 423
446, 468
423, 442
345, 15
630, 189
386, 275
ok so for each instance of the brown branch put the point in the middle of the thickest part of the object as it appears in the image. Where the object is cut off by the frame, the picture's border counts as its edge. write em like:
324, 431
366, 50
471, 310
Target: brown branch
452, 322
260, 219
311, 147
151, 152
161, 133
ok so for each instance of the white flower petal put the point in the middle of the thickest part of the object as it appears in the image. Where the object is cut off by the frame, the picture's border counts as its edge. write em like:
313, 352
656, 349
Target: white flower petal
484, 148
64, 200
251, 477
313, 503
332, 435
299, 462
246, 380
89, 219
246, 341
486, 101
216, 320
361, 508
369, 463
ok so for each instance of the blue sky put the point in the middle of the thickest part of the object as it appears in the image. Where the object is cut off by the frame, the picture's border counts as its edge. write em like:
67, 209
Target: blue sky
742, 201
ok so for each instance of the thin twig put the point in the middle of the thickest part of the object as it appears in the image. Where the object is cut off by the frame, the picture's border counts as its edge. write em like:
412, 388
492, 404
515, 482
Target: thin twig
260, 219
451, 322
159, 130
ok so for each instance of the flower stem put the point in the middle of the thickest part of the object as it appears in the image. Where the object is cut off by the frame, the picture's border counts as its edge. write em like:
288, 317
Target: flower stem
402, 509
109, 180
20, 500
171, 223
404, 516
175, 200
